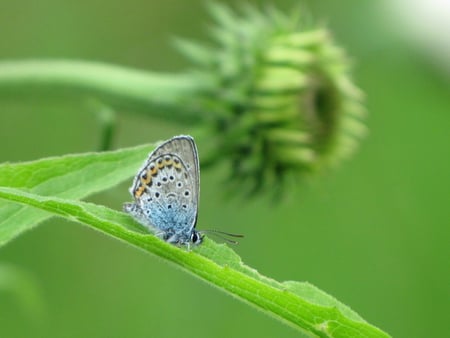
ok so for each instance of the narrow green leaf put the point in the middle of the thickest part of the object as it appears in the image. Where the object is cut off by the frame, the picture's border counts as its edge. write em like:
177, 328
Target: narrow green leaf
71, 176
316, 314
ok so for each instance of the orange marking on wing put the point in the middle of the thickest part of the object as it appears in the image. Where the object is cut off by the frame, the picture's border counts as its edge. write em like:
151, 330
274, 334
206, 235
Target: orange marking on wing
177, 163
153, 170
139, 191
160, 163
146, 178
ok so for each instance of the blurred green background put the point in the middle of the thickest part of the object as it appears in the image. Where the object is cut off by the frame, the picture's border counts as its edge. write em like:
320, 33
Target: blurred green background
373, 233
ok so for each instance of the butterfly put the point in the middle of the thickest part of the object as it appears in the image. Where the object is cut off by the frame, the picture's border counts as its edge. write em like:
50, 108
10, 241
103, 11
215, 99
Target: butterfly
166, 192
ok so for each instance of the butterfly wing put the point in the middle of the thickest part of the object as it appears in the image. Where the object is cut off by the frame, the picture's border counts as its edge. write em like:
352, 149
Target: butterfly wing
166, 190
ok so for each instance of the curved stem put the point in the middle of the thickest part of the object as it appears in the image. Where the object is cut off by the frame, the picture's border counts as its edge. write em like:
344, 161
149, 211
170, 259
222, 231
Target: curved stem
120, 87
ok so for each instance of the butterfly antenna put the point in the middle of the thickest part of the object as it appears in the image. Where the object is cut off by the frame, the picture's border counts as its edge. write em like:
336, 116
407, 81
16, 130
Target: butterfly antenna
223, 235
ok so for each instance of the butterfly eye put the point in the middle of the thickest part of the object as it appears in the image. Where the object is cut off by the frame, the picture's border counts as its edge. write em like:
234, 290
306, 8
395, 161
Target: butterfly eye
196, 238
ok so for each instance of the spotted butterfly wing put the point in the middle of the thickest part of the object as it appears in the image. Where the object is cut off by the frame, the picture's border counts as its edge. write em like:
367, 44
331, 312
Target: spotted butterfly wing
166, 191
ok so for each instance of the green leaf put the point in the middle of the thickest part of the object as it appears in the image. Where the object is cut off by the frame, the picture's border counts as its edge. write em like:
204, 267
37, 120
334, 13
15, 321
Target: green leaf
298, 304
71, 176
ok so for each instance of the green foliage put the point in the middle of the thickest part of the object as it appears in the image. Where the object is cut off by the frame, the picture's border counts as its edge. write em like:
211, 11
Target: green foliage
68, 176
48, 187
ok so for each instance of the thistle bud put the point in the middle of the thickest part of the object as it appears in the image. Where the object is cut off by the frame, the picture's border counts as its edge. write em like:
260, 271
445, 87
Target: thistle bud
277, 98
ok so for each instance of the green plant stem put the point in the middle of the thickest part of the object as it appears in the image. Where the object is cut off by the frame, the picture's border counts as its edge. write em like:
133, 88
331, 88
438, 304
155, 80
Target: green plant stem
120, 87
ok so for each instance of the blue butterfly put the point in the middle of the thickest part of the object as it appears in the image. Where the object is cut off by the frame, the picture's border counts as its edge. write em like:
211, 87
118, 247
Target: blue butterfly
166, 192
